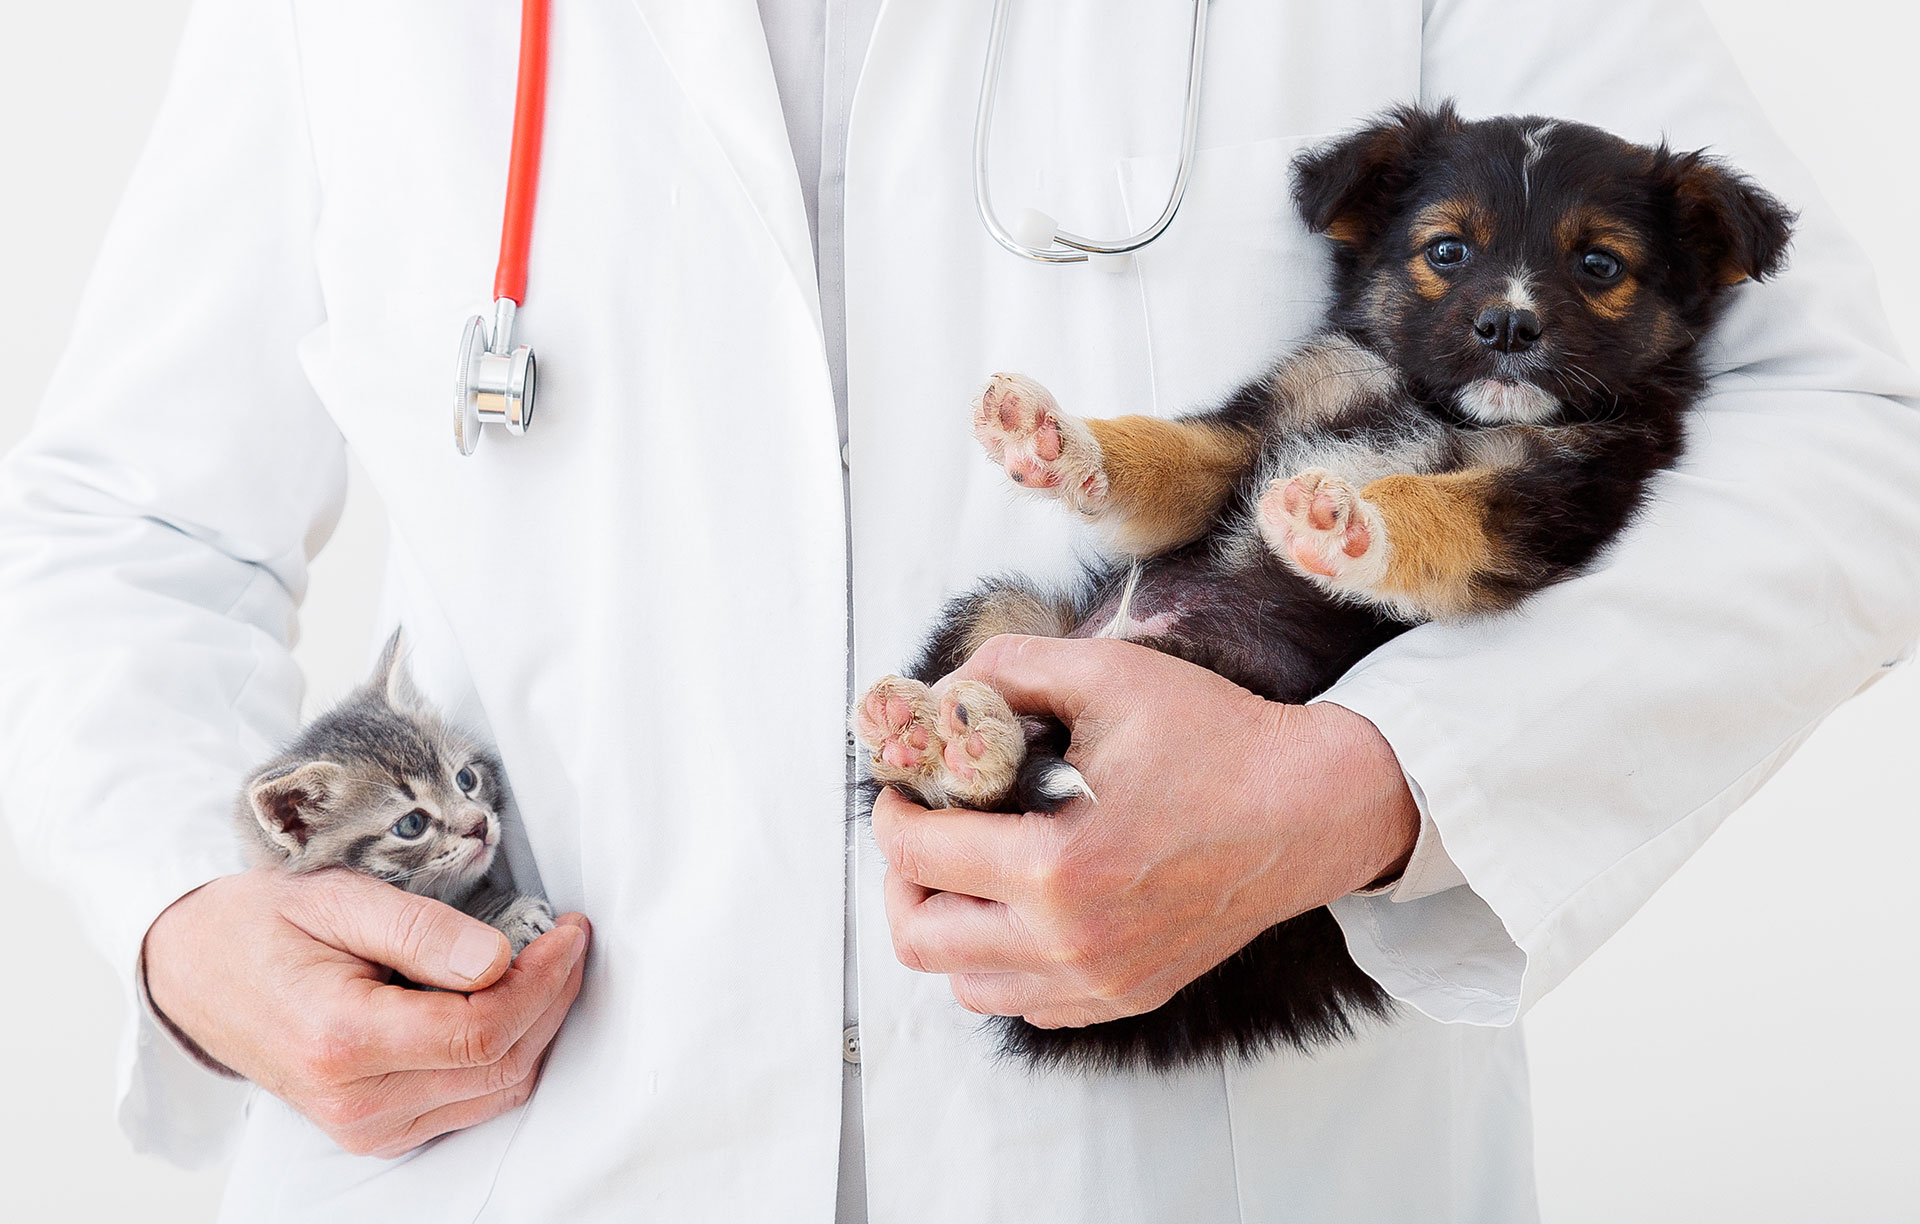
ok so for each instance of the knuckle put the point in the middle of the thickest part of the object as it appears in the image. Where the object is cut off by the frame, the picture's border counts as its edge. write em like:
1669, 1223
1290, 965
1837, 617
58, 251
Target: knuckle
972, 996
908, 858
514, 1069
908, 950
340, 1114
477, 1044
332, 1053
518, 1095
410, 929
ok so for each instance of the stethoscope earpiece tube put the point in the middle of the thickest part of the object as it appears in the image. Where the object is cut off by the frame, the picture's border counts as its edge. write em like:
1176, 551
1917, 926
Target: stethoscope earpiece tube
1035, 235
496, 381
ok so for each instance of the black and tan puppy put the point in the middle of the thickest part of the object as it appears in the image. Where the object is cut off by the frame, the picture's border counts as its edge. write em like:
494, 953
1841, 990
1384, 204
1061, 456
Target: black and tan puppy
1514, 340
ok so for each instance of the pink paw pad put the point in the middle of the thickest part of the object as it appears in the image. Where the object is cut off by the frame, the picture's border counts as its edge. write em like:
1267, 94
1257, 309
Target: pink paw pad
964, 745
1315, 520
893, 720
1021, 428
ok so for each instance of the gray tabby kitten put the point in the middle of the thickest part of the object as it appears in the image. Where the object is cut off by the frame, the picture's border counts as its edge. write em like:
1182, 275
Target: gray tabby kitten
382, 785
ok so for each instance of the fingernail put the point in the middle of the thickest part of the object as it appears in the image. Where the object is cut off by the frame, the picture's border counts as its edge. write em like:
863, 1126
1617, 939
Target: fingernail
474, 952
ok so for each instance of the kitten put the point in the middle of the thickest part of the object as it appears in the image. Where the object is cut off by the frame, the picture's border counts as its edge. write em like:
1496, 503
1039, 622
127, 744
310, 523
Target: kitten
381, 785
1513, 342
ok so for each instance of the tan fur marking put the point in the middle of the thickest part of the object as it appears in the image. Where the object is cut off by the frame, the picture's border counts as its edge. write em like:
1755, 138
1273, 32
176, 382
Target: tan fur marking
1461, 218
1167, 479
1007, 611
1426, 282
1436, 526
1345, 230
1614, 304
1584, 227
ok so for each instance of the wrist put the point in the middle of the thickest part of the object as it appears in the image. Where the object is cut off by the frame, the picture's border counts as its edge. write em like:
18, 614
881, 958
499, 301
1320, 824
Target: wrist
1338, 770
162, 947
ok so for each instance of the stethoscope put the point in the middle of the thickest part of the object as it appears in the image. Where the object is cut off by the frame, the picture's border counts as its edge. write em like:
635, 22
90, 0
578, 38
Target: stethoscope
496, 381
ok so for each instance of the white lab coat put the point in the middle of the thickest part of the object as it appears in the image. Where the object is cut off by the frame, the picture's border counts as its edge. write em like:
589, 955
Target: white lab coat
643, 600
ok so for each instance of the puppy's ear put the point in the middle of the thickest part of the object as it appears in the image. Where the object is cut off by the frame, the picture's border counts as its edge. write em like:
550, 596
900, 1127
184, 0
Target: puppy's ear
1737, 230
1349, 190
287, 802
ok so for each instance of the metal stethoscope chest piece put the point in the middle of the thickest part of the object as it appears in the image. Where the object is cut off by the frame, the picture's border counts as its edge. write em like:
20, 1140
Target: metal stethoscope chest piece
1035, 235
497, 381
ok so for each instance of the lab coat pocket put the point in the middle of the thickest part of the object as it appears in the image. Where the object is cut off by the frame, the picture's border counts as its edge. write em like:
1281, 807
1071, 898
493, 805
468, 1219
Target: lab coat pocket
1236, 279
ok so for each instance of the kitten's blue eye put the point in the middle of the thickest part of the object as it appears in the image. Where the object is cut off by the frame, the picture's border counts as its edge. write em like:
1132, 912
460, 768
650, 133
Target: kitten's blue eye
466, 779
410, 826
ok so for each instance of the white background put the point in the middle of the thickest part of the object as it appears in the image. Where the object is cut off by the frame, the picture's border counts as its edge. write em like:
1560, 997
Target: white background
1747, 1049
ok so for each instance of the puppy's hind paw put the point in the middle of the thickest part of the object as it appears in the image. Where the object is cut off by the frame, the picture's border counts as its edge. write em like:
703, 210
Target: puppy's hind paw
983, 743
895, 720
1042, 449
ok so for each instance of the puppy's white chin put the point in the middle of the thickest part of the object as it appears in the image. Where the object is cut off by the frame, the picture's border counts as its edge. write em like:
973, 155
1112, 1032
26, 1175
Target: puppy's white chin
1492, 401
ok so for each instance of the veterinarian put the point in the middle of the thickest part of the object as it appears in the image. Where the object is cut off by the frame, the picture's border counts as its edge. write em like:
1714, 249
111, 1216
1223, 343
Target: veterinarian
762, 300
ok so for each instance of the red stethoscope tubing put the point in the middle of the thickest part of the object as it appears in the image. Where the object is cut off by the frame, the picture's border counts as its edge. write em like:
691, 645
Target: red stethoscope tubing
523, 173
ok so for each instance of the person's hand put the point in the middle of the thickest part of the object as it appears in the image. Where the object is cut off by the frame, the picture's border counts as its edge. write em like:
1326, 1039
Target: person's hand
1219, 814
280, 978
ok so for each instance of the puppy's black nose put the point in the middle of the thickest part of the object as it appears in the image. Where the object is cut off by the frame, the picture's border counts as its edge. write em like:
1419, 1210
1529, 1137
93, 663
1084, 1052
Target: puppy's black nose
1507, 329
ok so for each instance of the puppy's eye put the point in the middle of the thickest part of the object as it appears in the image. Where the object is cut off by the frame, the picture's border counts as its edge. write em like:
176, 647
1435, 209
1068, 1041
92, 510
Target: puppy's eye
1447, 252
410, 826
1602, 265
466, 779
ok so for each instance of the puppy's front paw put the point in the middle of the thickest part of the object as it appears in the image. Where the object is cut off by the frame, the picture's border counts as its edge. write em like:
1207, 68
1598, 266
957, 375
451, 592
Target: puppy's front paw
1316, 523
526, 920
1041, 448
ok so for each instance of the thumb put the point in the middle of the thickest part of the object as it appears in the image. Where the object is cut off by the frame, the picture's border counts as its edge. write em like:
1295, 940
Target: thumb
1039, 675
429, 942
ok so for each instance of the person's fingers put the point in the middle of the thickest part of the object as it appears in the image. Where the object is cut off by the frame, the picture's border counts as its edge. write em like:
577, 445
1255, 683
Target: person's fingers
403, 1089
981, 854
406, 1029
457, 1116
940, 932
1002, 994
426, 941
1039, 675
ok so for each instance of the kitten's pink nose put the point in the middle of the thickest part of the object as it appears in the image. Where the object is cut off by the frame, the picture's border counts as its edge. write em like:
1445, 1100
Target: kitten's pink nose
479, 828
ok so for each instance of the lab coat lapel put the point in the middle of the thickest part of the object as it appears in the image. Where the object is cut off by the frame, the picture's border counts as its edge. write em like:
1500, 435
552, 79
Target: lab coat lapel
717, 52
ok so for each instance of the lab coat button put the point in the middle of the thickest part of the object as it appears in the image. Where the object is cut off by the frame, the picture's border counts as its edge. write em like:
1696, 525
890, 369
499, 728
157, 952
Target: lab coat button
845, 460
850, 1044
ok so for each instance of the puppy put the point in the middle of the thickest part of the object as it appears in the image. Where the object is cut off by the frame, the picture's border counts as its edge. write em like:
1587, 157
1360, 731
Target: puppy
1513, 343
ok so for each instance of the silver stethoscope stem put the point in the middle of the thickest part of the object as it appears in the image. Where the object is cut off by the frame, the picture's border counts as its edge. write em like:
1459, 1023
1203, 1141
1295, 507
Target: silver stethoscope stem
1039, 237
497, 381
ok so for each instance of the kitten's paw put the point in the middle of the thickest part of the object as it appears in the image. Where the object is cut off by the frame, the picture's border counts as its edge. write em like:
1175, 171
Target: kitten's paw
1317, 523
1041, 448
524, 921
983, 743
895, 719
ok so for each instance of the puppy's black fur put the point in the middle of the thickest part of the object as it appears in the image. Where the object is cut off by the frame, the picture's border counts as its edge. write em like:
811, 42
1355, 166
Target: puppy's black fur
1517, 305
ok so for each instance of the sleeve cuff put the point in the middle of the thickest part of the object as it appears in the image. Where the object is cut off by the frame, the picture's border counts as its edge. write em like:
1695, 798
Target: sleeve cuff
1429, 940
176, 1102
1429, 870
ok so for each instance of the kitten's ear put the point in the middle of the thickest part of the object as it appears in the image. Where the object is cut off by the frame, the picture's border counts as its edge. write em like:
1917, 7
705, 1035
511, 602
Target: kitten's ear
287, 804
1741, 231
1350, 189
393, 678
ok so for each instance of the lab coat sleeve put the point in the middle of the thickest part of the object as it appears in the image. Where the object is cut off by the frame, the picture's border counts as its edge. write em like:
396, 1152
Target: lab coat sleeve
1574, 753
155, 529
